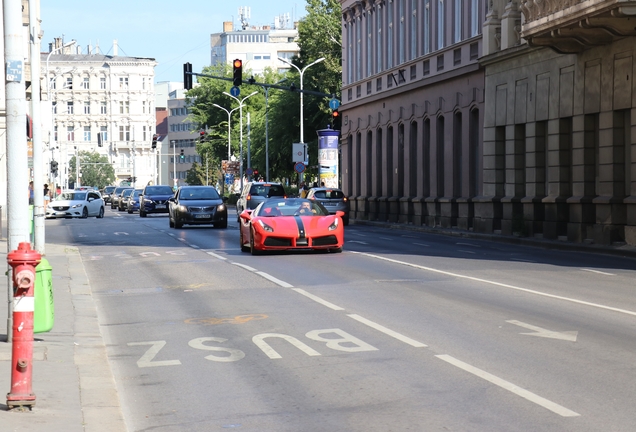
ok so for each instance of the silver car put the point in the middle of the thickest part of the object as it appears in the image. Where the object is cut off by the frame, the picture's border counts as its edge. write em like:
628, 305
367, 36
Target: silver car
333, 199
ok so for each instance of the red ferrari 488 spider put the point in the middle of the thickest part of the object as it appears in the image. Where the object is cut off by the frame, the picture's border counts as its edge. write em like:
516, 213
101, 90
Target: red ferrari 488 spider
291, 224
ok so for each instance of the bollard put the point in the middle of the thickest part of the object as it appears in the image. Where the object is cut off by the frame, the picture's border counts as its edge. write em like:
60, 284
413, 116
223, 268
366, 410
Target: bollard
23, 262
44, 308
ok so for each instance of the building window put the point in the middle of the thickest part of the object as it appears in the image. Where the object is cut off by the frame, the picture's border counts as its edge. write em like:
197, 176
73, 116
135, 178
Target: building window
87, 107
379, 41
369, 87
349, 54
85, 83
474, 51
457, 19
143, 83
55, 133
52, 80
145, 133
440, 62
124, 107
389, 39
124, 133
413, 29
123, 83
440, 24
369, 24
69, 83
70, 133
413, 72
69, 107
87, 133
358, 50
102, 83
378, 84
457, 56
103, 130
143, 107
54, 107
426, 28
103, 108
401, 33
474, 17
426, 67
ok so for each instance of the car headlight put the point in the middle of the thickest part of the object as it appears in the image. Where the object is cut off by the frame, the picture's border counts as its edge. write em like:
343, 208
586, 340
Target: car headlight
220, 207
183, 208
334, 225
77, 206
265, 226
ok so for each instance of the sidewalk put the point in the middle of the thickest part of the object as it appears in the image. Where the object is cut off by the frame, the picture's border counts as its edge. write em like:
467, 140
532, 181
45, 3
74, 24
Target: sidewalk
72, 380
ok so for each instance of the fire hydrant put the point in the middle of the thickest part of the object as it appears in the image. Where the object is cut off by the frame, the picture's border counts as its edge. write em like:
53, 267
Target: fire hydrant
23, 262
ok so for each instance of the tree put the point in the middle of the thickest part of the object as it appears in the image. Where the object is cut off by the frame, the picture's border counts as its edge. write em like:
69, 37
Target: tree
195, 175
95, 169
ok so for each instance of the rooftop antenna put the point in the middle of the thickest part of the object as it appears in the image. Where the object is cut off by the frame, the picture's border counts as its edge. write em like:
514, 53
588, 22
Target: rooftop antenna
244, 15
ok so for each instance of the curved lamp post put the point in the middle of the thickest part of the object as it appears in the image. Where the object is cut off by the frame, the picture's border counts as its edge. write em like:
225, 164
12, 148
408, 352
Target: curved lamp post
240, 101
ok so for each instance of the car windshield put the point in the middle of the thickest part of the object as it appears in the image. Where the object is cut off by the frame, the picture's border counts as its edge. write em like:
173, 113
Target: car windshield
159, 190
71, 196
267, 190
199, 194
136, 193
329, 194
127, 192
291, 207
109, 189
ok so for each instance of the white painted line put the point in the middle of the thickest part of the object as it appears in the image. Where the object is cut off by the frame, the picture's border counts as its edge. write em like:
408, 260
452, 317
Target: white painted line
465, 251
522, 260
407, 236
385, 238
555, 408
248, 268
422, 244
387, 331
468, 244
358, 234
181, 239
273, 279
356, 241
171, 234
503, 285
194, 246
318, 299
217, 256
599, 272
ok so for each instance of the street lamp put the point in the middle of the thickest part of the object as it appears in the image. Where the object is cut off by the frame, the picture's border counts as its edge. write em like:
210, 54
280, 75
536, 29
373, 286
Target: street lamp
301, 72
174, 162
240, 101
229, 113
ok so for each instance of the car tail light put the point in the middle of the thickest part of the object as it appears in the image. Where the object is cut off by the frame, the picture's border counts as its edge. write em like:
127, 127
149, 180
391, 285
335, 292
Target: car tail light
249, 197
345, 199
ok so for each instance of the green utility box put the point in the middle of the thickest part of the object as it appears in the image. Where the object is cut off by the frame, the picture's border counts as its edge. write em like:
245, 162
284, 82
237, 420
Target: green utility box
44, 313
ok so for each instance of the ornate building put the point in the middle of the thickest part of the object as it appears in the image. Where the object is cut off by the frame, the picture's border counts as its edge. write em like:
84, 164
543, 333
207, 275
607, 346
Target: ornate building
102, 103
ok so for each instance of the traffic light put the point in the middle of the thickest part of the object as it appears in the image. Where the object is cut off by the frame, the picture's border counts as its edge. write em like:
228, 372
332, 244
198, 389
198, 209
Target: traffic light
54, 168
182, 156
238, 72
202, 137
335, 120
187, 76
154, 141
99, 140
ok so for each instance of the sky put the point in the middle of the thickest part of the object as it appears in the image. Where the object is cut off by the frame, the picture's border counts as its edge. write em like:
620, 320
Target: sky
173, 33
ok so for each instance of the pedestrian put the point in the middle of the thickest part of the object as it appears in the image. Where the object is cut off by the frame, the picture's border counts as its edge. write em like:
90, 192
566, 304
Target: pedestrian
47, 195
301, 190
58, 190
30, 193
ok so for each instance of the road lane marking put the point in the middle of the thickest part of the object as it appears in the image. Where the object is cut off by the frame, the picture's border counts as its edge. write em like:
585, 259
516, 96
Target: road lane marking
468, 244
385, 238
193, 246
499, 284
356, 241
598, 272
545, 333
216, 256
246, 267
522, 260
422, 244
272, 278
387, 331
318, 299
545, 403
466, 251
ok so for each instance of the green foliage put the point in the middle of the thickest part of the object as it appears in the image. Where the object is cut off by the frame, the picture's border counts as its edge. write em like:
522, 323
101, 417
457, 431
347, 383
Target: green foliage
96, 170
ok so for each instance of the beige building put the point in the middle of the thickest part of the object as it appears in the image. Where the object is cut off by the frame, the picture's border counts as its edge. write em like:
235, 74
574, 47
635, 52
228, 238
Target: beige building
505, 116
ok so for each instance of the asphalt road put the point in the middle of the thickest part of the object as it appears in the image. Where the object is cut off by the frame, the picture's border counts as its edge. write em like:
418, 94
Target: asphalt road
401, 331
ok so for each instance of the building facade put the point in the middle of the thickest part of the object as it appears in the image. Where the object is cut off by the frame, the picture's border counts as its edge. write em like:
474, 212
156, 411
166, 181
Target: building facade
101, 103
182, 138
412, 110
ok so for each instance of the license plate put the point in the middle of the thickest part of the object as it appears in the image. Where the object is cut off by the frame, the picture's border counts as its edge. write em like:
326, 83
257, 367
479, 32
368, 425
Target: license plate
160, 206
202, 216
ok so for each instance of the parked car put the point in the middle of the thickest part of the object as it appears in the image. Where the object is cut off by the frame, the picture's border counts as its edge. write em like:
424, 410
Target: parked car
154, 199
106, 193
122, 203
133, 201
76, 204
290, 224
254, 193
333, 199
114, 196
197, 205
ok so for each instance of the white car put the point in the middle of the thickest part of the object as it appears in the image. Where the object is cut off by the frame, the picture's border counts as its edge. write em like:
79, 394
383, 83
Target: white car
76, 204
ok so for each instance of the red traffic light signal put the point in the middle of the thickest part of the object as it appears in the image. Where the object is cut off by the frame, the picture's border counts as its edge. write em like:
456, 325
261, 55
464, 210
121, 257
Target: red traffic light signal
335, 119
237, 75
154, 141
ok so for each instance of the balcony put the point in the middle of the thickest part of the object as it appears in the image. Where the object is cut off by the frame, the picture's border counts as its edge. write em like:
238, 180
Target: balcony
572, 26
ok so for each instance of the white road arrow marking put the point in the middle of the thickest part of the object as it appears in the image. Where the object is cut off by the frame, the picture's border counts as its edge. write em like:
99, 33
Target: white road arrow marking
122, 233
177, 252
541, 332
356, 241
147, 254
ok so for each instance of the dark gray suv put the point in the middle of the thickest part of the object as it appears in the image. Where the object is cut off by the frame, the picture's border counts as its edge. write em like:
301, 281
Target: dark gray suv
254, 193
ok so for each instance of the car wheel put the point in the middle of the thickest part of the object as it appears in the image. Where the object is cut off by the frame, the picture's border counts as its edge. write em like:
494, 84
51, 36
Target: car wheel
336, 250
129, 211
253, 250
221, 224
170, 222
84, 213
142, 213
242, 240
177, 224
101, 213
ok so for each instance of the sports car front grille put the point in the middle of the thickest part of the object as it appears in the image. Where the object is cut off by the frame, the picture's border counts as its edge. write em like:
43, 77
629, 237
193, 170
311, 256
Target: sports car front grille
278, 241
325, 241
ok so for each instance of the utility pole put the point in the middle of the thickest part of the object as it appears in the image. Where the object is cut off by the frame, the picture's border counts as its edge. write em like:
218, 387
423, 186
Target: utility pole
17, 158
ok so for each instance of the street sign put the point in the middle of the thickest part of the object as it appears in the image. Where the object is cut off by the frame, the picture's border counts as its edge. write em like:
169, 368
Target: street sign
334, 104
299, 152
235, 91
249, 171
229, 179
299, 167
